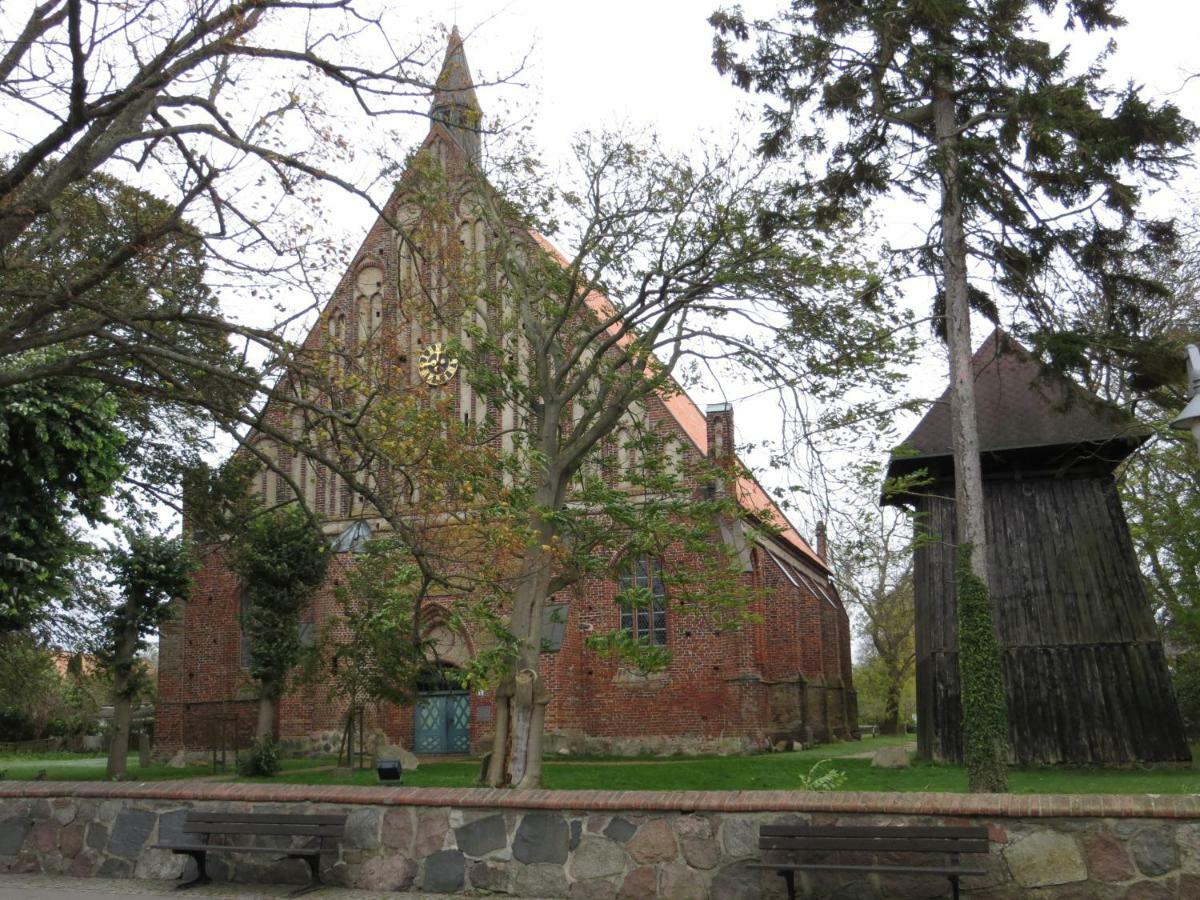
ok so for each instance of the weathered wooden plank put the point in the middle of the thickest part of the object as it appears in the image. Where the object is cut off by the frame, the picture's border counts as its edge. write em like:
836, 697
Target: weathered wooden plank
965, 832
265, 817
1085, 676
874, 845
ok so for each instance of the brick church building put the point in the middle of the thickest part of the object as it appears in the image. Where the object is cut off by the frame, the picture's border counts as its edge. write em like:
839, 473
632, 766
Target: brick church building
785, 677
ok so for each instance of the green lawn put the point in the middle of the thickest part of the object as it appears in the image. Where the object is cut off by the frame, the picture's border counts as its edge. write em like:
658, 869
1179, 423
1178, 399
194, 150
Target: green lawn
777, 771
782, 771
90, 767
85, 767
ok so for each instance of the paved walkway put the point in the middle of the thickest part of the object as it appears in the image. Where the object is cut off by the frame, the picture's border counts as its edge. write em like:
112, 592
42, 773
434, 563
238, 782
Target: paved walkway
911, 747
53, 887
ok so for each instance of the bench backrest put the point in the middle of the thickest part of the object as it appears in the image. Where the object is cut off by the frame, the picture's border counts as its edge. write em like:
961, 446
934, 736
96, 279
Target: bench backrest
884, 838
285, 824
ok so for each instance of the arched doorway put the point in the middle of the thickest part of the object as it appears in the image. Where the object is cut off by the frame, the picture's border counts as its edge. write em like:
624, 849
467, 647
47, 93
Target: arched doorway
442, 719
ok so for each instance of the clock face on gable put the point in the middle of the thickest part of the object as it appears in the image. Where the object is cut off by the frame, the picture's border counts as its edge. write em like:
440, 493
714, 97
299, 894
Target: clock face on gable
436, 365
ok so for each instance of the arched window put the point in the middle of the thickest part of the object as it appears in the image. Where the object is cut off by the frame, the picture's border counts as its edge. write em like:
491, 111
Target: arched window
643, 602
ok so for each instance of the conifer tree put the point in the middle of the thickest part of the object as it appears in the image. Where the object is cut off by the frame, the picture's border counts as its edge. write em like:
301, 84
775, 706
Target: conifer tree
1030, 172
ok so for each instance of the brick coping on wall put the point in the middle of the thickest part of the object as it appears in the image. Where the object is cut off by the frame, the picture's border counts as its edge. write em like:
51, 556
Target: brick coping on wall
1024, 806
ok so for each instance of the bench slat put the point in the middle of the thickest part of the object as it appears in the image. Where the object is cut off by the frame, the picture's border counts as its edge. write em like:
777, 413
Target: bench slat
197, 815
285, 851
251, 828
891, 831
911, 845
921, 870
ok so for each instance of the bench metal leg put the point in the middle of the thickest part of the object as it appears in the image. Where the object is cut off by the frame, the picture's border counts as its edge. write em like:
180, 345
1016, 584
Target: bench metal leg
201, 858
954, 885
790, 877
314, 870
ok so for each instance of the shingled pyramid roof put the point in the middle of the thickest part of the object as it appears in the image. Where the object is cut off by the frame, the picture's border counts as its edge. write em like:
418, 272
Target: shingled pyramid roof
1030, 419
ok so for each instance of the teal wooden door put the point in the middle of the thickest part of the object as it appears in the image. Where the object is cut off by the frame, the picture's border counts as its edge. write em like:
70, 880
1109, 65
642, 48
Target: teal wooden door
443, 722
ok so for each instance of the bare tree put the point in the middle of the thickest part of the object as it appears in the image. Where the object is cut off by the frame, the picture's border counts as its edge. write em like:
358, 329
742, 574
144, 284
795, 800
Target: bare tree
237, 115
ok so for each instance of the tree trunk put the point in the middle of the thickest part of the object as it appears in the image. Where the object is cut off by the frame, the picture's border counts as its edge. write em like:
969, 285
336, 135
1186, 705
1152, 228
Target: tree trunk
968, 473
891, 710
983, 702
519, 744
265, 727
118, 748
496, 764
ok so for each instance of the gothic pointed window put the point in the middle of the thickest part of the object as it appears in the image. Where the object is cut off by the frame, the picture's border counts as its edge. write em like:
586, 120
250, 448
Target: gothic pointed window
644, 602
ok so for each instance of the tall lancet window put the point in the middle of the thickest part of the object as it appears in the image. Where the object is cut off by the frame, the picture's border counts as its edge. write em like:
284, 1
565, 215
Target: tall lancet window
368, 303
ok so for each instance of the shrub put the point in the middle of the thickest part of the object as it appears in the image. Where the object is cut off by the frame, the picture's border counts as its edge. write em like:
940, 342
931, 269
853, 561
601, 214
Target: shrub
1186, 678
261, 759
824, 781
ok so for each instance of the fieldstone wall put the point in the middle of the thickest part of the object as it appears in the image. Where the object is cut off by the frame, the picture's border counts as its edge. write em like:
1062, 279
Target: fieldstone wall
603, 846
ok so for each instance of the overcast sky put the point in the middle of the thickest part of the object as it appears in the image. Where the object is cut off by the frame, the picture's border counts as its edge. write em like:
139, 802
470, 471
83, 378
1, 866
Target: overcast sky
634, 64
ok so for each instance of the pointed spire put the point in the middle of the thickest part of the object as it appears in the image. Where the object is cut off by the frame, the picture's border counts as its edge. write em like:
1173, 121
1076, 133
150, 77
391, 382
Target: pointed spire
454, 103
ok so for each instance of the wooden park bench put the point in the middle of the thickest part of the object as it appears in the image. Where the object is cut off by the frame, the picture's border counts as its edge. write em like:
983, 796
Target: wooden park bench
199, 827
865, 841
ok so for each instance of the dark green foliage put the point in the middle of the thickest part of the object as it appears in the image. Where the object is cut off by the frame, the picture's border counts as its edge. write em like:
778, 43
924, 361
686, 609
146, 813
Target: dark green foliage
281, 557
220, 500
108, 286
113, 281
260, 759
60, 456
1186, 679
985, 719
1049, 158
375, 646
149, 573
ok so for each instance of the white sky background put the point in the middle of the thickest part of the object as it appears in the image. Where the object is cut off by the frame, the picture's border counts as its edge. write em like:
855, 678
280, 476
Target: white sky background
626, 64
639, 66
643, 65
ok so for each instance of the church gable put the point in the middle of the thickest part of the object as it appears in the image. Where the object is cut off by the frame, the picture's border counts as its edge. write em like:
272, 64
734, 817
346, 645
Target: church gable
782, 676
391, 305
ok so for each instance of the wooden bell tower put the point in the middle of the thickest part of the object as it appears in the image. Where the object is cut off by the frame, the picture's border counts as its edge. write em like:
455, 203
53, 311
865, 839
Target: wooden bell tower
1084, 671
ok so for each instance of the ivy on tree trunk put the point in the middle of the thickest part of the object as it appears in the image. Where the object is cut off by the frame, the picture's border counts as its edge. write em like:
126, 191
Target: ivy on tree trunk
985, 716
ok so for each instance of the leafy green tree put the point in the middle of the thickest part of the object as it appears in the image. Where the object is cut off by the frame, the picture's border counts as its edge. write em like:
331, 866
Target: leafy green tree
30, 689
282, 558
1028, 170
61, 454
871, 554
676, 261
159, 97
679, 264
148, 332
378, 646
880, 703
149, 572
